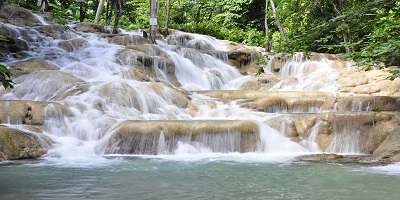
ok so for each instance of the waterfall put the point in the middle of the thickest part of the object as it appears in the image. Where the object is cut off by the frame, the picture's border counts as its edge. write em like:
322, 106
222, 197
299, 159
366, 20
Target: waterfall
97, 87
310, 142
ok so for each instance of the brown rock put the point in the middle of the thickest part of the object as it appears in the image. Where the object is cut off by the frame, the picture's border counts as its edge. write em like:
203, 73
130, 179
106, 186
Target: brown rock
28, 112
389, 150
26, 67
16, 144
18, 16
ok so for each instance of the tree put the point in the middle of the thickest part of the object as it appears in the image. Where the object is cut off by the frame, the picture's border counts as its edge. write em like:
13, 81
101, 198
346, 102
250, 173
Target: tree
99, 11
117, 14
267, 46
43, 4
153, 20
278, 23
168, 8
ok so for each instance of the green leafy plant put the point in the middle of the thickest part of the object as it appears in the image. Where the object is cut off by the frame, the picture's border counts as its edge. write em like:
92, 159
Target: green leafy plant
5, 77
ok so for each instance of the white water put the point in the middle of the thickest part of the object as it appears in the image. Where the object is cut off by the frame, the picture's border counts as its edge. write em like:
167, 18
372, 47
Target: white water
105, 94
41, 19
307, 75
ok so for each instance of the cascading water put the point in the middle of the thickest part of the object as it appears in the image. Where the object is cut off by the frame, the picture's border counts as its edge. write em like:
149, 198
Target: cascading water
122, 118
98, 88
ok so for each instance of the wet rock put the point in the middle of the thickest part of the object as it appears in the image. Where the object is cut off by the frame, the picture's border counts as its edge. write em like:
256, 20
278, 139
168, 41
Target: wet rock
18, 16
42, 84
368, 103
72, 89
28, 112
242, 58
121, 94
128, 40
12, 47
251, 94
389, 150
263, 82
16, 144
72, 44
29, 66
56, 31
143, 137
332, 158
179, 39
88, 27
149, 65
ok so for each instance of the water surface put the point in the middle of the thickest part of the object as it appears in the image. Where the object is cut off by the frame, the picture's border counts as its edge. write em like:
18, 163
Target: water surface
149, 177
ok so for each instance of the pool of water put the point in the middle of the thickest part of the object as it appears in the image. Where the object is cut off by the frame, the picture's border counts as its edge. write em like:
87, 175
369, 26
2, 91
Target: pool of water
157, 177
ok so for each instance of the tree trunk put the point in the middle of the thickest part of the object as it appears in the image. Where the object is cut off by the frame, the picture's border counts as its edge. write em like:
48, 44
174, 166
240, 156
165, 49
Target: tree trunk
99, 11
267, 47
168, 6
153, 20
117, 15
158, 12
108, 13
43, 4
345, 40
278, 23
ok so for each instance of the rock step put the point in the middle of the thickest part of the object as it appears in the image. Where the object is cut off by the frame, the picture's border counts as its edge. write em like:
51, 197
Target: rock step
307, 104
158, 137
304, 102
251, 94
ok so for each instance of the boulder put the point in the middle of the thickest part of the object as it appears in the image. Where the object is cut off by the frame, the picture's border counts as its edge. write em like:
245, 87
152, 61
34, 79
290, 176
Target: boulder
16, 144
29, 66
44, 84
56, 31
18, 16
88, 27
12, 47
29, 112
72, 44
128, 40
389, 150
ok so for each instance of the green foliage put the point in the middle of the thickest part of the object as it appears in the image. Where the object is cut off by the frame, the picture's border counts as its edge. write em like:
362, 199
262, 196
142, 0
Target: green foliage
5, 76
395, 71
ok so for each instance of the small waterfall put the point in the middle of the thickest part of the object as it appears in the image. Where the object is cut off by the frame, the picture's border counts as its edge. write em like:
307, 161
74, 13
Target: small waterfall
310, 142
41, 19
273, 142
346, 138
306, 75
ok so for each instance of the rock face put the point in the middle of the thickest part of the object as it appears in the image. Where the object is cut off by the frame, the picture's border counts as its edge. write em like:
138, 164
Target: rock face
26, 67
27, 112
16, 144
389, 150
157, 137
90, 28
18, 16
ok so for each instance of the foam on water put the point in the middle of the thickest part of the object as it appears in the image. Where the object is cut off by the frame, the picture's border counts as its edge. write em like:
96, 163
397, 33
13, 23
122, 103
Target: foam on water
251, 157
392, 169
